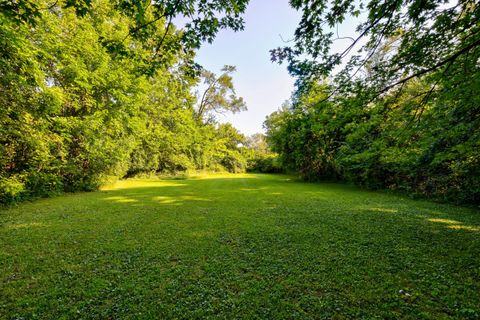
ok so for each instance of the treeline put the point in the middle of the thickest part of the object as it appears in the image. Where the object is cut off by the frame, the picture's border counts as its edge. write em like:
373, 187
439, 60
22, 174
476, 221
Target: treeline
427, 149
86, 98
402, 113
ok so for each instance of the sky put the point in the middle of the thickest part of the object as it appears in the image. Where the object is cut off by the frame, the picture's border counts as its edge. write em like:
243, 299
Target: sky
264, 85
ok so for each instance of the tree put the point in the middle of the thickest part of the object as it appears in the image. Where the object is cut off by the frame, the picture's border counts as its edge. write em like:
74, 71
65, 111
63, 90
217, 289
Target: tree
428, 148
219, 96
258, 143
231, 140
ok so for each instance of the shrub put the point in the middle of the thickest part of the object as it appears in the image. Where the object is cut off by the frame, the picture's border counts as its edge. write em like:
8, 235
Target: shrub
12, 189
43, 184
265, 164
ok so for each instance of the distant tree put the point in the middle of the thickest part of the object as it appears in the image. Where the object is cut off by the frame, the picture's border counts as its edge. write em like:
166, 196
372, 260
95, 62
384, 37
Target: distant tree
260, 157
257, 142
220, 95
234, 159
232, 138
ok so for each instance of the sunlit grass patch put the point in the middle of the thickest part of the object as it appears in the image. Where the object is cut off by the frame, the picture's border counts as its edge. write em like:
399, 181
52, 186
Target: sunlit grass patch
25, 225
463, 227
142, 183
456, 225
446, 221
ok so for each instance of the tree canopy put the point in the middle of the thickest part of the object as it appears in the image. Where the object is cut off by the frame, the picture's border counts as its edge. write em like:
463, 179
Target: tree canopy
396, 41
147, 21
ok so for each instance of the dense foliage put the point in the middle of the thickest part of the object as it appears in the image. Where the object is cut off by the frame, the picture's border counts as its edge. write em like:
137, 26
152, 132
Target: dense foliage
403, 113
86, 98
382, 145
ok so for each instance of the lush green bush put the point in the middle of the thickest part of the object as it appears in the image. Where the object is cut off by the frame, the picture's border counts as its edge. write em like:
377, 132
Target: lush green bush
234, 162
265, 164
12, 189
42, 184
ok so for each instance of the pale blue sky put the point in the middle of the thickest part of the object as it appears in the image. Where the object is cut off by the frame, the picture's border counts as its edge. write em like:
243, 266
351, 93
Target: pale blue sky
264, 85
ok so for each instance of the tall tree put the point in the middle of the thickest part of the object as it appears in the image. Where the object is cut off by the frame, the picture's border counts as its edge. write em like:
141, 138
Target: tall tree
219, 95
258, 143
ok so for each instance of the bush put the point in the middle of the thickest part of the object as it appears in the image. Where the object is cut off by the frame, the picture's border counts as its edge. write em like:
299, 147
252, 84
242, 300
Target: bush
234, 162
42, 184
12, 189
265, 164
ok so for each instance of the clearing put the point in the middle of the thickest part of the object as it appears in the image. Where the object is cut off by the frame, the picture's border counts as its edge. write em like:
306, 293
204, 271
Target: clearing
238, 246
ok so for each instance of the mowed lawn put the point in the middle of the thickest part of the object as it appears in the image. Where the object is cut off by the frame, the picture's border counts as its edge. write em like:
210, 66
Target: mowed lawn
238, 246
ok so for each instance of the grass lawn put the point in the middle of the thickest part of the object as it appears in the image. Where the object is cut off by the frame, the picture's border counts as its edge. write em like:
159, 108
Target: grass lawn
238, 246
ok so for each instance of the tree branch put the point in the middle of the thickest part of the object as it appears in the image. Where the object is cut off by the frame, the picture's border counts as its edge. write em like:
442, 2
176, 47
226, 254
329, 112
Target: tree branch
452, 58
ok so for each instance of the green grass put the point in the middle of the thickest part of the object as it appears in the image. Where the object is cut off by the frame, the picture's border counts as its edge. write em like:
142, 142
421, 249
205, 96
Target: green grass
238, 246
